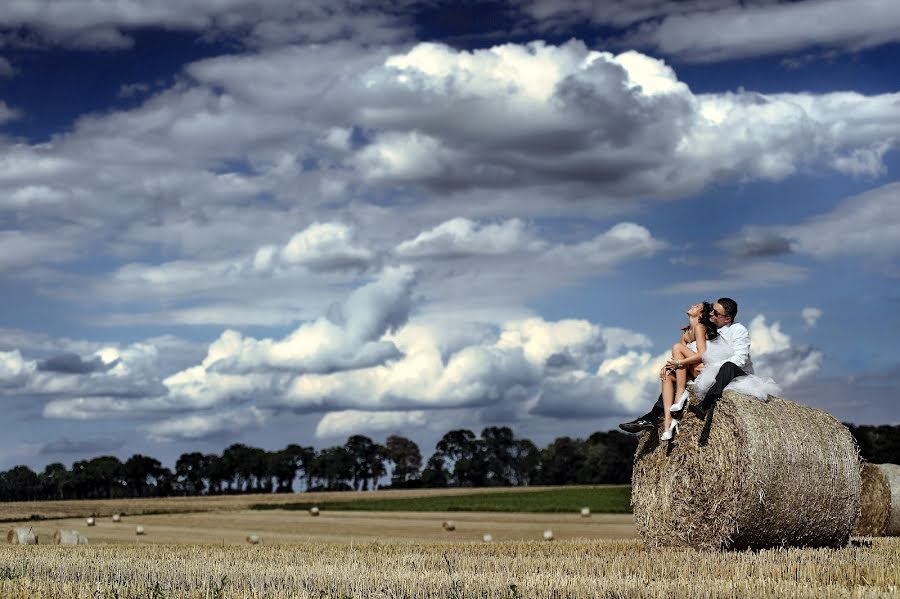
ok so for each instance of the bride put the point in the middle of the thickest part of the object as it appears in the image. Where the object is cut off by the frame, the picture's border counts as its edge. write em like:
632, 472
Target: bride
687, 362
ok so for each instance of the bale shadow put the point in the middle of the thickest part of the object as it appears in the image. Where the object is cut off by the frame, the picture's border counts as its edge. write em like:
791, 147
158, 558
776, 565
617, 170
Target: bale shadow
648, 447
703, 441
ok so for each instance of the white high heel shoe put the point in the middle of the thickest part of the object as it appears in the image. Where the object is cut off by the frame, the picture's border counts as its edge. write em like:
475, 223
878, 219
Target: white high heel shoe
677, 407
670, 432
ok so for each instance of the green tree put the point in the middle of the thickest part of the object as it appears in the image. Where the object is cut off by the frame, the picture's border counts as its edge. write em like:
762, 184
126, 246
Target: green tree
56, 482
190, 470
99, 478
332, 468
561, 461
466, 453
406, 458
435, 475
368, 461
142, 474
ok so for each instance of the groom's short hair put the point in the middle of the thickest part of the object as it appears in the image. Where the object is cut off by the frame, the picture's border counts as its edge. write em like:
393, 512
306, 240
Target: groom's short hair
729, 305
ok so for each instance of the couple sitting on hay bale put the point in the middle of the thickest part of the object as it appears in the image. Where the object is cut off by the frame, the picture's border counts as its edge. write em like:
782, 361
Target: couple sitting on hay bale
714, 355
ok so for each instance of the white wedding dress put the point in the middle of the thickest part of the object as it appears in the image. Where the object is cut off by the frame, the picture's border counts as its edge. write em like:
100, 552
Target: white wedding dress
717, 353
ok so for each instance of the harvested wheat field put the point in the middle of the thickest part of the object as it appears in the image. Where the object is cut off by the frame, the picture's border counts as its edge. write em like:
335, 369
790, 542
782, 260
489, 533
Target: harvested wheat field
579, 568
281, 526
82, 508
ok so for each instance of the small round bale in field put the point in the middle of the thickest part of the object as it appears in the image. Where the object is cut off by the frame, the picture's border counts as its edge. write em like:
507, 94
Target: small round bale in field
487, 538
253, 539
749, 475
874, 503
21, 536
448, 525
90, 521
117, 517
314, 511
585, 512
69, 537
548, 535
892, 473
138, 530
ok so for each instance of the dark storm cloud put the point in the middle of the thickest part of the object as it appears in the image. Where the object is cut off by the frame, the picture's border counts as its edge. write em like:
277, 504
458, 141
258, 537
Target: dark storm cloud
70, 363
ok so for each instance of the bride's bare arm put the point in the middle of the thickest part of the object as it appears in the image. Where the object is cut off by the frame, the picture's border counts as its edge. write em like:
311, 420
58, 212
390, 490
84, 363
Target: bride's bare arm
690, 358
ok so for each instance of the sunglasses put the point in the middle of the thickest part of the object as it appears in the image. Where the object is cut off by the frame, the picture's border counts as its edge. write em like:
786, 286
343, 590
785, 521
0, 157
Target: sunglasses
717, 313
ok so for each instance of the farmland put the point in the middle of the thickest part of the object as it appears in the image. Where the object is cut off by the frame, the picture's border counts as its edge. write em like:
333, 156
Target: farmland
578, 568
197, 548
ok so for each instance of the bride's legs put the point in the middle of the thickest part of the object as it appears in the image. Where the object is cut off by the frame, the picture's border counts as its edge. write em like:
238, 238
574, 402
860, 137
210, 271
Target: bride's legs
668, 394
681, 352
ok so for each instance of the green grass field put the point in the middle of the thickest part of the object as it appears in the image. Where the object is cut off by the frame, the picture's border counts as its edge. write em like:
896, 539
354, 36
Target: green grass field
607, 499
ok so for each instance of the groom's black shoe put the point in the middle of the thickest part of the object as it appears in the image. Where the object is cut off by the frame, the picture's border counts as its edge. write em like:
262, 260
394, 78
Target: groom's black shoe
637, 425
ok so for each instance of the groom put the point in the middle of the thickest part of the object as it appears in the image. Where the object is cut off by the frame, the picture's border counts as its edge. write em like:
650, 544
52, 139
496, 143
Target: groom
737, 336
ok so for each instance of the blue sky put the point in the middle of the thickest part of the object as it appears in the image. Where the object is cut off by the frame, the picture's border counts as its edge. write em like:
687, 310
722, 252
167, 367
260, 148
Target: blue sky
274, 222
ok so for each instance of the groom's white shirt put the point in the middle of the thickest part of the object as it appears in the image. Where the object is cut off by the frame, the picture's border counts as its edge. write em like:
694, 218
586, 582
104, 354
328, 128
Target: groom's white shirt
738, 337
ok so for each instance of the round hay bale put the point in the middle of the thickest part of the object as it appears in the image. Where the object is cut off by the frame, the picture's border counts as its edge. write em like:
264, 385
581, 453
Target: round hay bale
750, 475
67, 537
314, 511
90, 521
585, 512
21, 536
448, 525
892, 474
117, 517
487, 538
874, 503
138, 530
253, 539
548, 535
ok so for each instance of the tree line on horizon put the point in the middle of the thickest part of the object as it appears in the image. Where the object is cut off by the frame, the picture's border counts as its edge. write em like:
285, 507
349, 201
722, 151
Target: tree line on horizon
496, 458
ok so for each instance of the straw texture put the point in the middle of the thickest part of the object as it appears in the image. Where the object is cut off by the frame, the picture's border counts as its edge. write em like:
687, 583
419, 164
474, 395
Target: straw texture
752, 474
874, 503
892, 474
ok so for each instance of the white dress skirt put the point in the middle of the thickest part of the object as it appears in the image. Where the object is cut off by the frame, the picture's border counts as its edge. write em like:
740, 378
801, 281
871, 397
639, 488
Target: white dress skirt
717, 353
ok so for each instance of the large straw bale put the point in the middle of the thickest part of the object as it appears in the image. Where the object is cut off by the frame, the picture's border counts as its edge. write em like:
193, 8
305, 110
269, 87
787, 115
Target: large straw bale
21, 536
69, 537
892, 474
874, 503
752, 474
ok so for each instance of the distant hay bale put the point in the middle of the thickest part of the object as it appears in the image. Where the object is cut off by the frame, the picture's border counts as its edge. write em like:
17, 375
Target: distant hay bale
21, 536
751, 475
314, 511
548, 535
585, 512
69, 537
892, 473
117, 517
253, 539
874, 503
138, 530
487, 538
449, 525
90, 521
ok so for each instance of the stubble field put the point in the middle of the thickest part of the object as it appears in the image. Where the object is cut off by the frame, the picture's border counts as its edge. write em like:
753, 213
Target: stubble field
406, 554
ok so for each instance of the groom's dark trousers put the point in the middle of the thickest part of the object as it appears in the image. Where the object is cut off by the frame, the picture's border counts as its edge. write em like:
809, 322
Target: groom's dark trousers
727, 373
